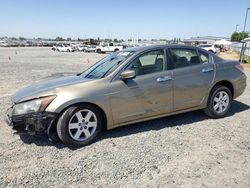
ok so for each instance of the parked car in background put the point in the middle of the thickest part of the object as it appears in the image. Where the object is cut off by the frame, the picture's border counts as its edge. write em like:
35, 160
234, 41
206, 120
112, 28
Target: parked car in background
90, 48
81, 48
108, 47
74, 46
78, 47
64, 48
125, 87
209, 47
54, 47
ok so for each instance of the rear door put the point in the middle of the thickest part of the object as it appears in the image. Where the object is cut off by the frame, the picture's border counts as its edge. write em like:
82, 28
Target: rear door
193, 73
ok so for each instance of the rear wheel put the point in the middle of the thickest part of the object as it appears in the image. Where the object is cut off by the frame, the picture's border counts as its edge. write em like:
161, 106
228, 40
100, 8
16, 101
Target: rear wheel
219, 102
99, 51
79, 125
116, 50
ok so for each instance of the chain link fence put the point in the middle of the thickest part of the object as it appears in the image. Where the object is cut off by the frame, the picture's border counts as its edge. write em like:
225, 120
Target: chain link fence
238, 45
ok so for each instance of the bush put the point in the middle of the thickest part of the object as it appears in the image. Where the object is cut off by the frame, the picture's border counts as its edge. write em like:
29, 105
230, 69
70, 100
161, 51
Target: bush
247, 59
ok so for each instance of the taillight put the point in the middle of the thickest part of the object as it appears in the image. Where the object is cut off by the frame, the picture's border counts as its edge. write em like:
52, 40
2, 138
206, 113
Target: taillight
240, 67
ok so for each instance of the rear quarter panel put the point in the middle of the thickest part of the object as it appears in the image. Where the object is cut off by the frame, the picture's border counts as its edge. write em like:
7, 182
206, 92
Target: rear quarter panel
226, 71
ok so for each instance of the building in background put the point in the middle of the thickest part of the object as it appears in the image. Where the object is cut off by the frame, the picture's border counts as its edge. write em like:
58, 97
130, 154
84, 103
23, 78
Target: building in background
203, 40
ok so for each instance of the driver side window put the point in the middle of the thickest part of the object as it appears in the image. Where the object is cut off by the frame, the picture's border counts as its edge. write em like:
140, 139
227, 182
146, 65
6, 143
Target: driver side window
149, 62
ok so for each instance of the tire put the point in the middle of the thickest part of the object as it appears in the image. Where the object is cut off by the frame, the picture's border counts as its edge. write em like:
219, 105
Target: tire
219, 102
116, 50
73, 125
98, 51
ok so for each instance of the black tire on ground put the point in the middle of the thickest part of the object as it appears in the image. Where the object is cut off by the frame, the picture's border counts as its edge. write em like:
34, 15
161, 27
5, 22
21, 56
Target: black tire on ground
116, 50
63, 123
99, 51
210, 106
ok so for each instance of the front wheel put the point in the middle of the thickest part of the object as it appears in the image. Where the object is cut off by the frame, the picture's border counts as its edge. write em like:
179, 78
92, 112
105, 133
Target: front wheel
79, 125
219, 102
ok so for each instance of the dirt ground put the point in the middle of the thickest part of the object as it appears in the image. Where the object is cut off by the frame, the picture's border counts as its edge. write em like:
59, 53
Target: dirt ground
230, 55
186, 150
233, 55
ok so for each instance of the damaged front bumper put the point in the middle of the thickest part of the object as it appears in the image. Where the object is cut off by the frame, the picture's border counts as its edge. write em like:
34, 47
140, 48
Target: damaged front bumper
30, 123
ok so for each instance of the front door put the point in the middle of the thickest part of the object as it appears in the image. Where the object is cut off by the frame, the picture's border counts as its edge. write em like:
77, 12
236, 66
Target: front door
149, 94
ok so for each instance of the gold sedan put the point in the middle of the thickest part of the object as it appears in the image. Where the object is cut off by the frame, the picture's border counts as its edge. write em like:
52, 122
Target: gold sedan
125, 87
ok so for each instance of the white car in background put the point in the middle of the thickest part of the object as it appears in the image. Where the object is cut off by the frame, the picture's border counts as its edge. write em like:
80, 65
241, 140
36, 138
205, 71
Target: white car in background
90, 48
209, 47
64, 48
108, 47
81, 48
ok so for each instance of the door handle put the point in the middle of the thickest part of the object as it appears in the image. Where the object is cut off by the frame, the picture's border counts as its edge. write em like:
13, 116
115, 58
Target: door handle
209, 69
164, 78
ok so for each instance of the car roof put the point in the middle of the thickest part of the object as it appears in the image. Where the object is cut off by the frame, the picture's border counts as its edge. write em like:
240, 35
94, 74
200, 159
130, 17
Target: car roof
142, 48
206, 45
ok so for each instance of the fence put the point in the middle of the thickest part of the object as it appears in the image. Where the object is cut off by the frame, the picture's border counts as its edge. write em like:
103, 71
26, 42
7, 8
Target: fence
237, 47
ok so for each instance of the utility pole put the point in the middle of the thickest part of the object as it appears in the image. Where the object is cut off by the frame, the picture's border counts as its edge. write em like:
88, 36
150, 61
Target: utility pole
244, 28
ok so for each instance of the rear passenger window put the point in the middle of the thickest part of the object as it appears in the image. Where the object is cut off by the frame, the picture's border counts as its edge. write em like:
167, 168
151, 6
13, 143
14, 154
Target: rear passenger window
204, 57
184, 57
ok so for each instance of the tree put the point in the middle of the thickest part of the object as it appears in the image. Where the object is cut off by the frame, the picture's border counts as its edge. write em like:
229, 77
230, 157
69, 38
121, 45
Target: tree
68, 39
59, 39
239, 36
13, 38
22, 38
115, 40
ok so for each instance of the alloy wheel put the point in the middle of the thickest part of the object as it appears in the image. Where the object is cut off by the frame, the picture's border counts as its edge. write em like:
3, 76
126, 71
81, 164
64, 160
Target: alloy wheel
82, 125
221, 102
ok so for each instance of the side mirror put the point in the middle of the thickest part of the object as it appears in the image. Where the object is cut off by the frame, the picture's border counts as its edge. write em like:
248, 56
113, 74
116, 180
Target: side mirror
128, 74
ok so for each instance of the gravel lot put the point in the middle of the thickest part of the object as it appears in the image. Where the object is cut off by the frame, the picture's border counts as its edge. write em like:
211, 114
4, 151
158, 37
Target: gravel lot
187, 150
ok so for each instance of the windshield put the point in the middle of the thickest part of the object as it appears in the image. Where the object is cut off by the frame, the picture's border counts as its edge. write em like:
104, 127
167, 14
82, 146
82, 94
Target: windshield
107, 65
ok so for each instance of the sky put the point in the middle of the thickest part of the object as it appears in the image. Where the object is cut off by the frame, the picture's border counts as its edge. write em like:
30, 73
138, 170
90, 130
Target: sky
152, 19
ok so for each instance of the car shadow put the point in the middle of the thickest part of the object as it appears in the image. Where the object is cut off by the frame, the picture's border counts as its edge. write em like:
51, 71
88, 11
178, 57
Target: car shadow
39, 140
183, 119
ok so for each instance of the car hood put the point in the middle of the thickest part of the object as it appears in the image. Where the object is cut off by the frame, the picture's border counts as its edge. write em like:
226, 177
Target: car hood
49, 87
